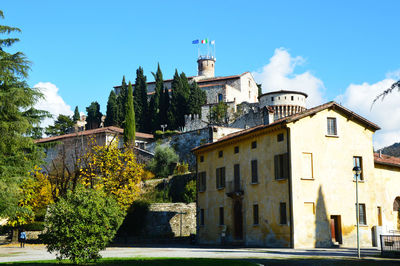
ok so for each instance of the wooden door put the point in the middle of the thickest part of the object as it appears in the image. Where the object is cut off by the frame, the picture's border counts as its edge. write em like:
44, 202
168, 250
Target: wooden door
238, 219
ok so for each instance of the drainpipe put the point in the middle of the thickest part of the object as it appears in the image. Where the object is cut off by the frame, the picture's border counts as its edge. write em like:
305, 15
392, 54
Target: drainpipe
290, 188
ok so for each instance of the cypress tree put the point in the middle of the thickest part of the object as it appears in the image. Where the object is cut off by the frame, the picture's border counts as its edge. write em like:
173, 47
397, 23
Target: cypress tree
129, 125
93, 119
112, 110
76, 116
183, 100
155, 108
140, 101
173, 108
164, 106
197, 98
121, 102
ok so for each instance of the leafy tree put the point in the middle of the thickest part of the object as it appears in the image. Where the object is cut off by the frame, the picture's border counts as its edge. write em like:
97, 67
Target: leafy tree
94, 115
77, 115
140, 101
113, 170
197, 98
18, 121
63, 125
164, 161
112, 110
189, 194
81, 224
218, 114
121, 102
129, 125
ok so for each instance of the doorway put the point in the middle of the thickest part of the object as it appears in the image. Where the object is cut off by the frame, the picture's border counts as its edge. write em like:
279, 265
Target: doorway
238, 219
336, 229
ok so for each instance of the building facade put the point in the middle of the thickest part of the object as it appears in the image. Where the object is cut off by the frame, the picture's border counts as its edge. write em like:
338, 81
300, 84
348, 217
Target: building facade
290, 183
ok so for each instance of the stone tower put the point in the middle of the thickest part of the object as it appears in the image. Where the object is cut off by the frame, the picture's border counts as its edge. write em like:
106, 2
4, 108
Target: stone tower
284, 103
206, 66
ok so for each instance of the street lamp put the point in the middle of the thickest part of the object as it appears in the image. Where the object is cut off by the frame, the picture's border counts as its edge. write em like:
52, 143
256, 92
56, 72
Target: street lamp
357, 173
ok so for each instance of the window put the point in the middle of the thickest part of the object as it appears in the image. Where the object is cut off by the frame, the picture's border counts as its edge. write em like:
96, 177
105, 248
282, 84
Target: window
254, 144
379, 216
201, 158
236, 149
282, 211
362, 214
202, 181
255, 214
332, 126
272, 99
221, 215
236, 177
201, 216
357, 161
292, 98
220, 176
254, 172
220, 97
280, 137
281, 163
220, 154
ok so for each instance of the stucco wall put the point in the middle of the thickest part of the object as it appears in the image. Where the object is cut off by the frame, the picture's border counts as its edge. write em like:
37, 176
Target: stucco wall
267, 193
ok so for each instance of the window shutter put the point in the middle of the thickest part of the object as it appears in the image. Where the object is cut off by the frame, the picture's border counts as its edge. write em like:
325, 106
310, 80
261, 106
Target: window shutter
285, 165
217, 177
223, 177
276, 166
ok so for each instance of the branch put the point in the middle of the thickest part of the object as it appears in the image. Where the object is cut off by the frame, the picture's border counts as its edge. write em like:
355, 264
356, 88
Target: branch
386, 92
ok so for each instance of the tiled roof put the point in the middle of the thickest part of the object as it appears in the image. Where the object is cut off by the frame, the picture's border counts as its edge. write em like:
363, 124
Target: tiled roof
293, 118
110, 129
386, 159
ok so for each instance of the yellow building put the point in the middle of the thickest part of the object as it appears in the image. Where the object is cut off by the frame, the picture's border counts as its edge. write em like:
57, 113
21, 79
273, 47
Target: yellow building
290, 183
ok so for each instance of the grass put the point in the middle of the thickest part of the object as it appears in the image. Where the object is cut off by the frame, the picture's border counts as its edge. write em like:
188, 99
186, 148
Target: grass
210, 262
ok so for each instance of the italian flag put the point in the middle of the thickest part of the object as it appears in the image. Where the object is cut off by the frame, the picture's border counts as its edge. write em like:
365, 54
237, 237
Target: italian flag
204, 41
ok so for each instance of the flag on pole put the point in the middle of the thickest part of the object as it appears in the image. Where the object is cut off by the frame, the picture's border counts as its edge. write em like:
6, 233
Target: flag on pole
204, 41
195, 42
213, 42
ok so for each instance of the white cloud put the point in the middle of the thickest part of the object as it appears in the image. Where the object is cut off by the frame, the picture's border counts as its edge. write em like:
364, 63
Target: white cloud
279, 74
386, 113
52, 102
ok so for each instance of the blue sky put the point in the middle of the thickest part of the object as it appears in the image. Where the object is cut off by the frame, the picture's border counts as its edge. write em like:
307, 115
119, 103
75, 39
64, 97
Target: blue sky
339, 49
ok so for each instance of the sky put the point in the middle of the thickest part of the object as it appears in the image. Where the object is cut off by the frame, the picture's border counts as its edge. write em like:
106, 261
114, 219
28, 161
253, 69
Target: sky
347, 51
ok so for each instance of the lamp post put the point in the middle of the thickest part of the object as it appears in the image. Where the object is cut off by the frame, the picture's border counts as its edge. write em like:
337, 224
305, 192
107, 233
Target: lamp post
357, 172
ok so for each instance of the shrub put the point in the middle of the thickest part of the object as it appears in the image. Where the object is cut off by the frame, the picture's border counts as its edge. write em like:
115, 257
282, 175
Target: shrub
164, 162
81, 224
189, 195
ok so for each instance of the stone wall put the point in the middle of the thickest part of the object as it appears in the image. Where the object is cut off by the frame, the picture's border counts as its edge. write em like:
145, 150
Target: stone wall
170, 220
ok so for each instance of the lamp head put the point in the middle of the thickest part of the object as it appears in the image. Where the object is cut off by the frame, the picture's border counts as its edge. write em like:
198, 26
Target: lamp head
357, 170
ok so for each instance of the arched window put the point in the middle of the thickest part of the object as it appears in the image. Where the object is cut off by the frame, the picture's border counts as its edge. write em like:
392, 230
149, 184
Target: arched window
396, 204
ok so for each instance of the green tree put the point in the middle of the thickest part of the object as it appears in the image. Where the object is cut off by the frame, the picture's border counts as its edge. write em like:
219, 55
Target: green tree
164, 106
78, 226
155, 104
259, 86
173, 109
112, 110
140, 101
189, 194
63, 125
197, 98
77, 115
163, 162
218, 114
94, 115
18, 121
129, 125
121, 102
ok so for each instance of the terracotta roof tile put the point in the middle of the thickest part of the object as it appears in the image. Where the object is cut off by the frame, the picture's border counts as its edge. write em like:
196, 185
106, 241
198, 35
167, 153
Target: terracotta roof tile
110, 129
386, 159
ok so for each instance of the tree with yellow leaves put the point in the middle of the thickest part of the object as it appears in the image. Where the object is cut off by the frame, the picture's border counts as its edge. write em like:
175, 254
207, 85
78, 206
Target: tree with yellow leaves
113, 170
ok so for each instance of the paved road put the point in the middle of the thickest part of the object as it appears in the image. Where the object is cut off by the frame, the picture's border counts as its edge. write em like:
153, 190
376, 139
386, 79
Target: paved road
10, 253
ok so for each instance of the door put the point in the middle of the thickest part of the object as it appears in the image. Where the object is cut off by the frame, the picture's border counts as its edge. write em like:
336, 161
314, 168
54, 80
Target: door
336, 229
238, 219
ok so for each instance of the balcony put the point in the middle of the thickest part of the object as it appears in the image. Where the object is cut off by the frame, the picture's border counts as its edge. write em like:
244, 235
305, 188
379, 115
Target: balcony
234, 188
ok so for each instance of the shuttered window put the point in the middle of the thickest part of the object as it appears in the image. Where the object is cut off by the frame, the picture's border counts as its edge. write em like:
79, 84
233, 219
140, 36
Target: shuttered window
202, 181
357, 161
332, 126
282, 210
254, 172
220, 177
255, 214
362, 213
281, 165
221, 215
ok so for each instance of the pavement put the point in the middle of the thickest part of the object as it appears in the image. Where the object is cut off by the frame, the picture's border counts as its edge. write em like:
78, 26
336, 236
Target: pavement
12, 252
